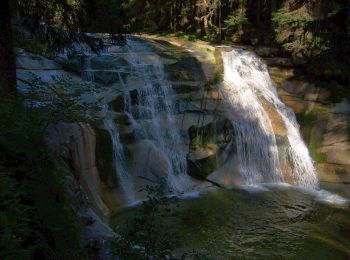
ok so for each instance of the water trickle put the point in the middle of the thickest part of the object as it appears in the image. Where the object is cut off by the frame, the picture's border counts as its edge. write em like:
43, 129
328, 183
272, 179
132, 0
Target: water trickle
246, 83
118, 158
152, 115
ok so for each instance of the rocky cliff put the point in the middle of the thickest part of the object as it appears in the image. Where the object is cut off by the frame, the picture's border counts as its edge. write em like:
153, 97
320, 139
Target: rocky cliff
194, 71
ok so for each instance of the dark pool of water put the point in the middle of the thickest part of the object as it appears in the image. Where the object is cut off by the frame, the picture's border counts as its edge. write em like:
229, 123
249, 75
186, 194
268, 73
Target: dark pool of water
274, 223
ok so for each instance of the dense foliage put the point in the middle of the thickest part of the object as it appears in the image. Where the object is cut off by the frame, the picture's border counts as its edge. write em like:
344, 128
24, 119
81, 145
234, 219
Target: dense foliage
316, 33
35, 219
311, 31
213, 19
57, 22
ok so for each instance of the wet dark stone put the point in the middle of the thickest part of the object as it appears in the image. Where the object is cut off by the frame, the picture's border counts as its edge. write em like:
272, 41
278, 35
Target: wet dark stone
200, 169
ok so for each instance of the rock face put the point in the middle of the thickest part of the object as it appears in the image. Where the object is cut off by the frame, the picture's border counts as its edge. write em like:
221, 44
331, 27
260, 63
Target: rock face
76, 142
335, 147
207, 138
94, 229
207, 147
323, 114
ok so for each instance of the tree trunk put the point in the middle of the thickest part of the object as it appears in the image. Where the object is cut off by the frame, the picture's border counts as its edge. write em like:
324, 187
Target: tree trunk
219, 20
206, 25
195, 15
273, 5
258, 14
171, 19
7, 56
177, 14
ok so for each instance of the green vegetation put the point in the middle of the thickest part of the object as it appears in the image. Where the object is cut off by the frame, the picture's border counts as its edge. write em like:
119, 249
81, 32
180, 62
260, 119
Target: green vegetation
53, 22
317, 35
14, 219
290, 30
314, 145
236, 23
314, 33
28, 42
35, 220
180, 35
306, 119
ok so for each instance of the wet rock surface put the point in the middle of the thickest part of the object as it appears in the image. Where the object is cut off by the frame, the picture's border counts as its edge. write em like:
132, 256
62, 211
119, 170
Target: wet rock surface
324, 122
207, 135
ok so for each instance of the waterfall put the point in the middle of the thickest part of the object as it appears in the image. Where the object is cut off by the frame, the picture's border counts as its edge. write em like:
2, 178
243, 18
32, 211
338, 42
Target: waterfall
153, 115
118, 158
246, 84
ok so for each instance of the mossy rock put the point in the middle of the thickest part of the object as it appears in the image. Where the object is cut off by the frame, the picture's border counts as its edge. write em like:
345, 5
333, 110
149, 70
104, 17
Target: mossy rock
218, 132
203, 135
186, 69
314, 147
306, 119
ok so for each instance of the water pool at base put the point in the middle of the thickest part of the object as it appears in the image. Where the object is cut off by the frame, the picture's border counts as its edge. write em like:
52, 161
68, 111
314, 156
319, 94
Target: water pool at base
276, 223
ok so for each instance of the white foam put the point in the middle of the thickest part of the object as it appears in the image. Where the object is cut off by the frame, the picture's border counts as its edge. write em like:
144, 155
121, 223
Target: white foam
327, 197
253, 188
247, 82
323, 196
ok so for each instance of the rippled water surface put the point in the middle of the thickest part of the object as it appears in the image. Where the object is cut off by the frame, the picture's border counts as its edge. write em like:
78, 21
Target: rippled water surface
270, 223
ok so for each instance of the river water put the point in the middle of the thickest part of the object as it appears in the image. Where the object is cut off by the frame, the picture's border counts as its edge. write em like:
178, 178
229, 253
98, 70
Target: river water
256, 222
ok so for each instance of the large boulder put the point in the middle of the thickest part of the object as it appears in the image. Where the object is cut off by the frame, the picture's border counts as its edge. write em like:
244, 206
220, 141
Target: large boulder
202, 163
206, 147
76, 142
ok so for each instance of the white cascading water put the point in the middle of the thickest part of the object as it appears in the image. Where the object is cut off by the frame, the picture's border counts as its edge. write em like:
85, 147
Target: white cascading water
153, 116
246, 82
119, 161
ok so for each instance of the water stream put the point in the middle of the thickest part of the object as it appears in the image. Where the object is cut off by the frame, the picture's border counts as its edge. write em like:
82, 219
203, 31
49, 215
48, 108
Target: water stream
150, 106
272, 222
153, 113
247, 83
119, 160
